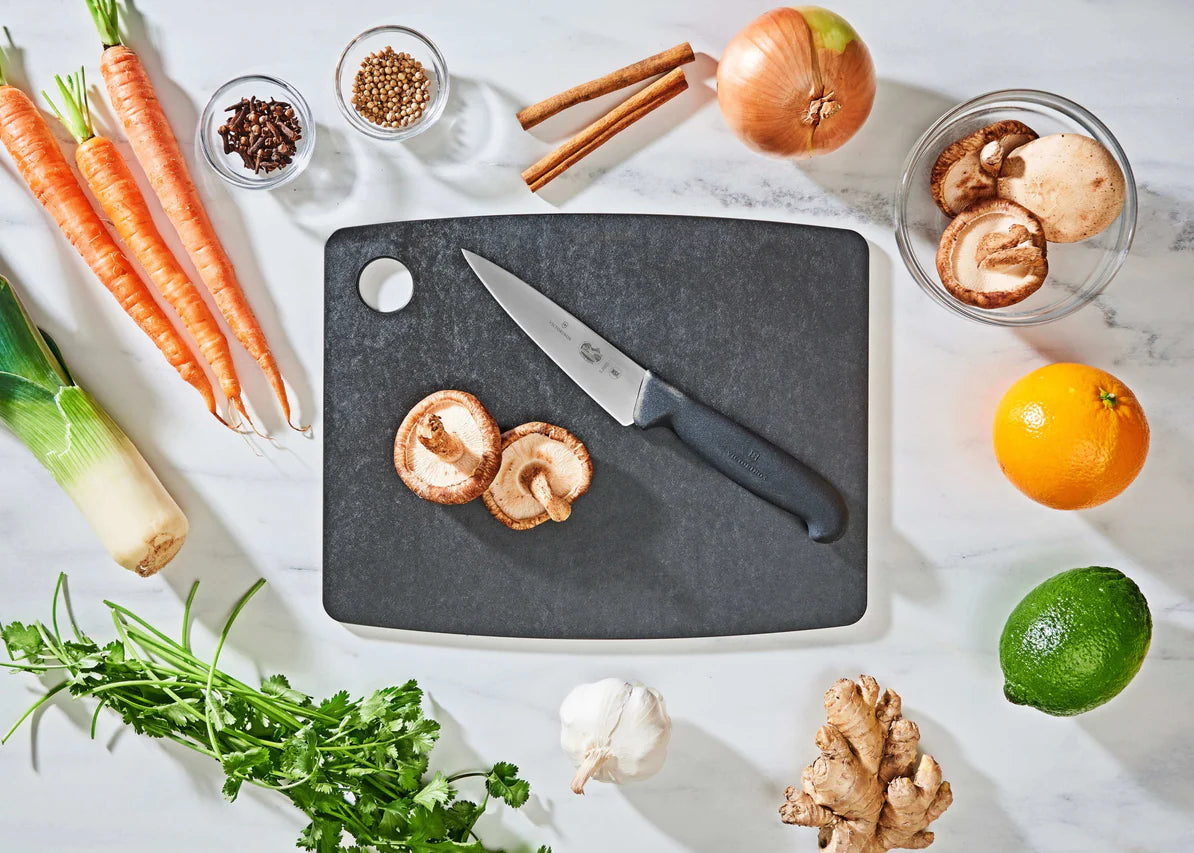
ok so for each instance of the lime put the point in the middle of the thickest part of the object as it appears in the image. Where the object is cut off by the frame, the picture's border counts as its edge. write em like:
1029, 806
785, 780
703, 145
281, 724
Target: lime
1075, 641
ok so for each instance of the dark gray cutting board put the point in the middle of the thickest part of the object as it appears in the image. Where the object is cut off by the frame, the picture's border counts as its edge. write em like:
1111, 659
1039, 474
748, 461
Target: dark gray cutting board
765, 321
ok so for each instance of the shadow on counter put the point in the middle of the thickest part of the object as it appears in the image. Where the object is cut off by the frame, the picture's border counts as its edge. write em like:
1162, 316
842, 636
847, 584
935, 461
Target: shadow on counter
1158, 760
453, 754
315, 198
975, 812
1121, 332
468, 148
466, 151
864, 172
731, 820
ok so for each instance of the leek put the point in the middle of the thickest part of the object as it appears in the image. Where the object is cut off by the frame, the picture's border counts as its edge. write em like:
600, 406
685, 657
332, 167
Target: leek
82, 447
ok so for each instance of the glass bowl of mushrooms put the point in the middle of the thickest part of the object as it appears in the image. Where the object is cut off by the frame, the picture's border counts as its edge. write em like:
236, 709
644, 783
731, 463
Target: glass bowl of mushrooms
391, 83
256, 132
1015, 208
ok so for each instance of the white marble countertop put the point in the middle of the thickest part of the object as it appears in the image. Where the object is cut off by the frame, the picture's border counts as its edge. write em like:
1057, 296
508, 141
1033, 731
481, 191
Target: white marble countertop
953, 546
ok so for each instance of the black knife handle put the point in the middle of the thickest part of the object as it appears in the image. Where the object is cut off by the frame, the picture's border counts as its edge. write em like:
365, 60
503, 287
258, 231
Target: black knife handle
749, 460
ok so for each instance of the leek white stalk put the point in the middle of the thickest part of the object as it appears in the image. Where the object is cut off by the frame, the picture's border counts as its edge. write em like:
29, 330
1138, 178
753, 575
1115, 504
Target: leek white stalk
82, 447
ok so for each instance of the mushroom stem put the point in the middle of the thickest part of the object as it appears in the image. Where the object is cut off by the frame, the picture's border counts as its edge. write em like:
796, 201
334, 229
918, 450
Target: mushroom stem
434, 437
534, 480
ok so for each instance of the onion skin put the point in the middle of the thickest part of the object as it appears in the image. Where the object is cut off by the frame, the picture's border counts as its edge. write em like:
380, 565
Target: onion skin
797, 82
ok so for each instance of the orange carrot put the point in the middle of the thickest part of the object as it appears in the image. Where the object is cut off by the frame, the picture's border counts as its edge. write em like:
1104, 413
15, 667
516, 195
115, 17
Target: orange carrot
136, 105
42, 165
113, 185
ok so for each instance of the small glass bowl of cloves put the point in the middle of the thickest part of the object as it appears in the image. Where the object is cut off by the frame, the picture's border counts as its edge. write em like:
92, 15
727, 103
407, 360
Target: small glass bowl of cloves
256, 132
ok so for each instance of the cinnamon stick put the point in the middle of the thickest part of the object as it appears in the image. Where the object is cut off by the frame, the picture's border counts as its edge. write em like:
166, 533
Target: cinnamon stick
671, 58
606, 127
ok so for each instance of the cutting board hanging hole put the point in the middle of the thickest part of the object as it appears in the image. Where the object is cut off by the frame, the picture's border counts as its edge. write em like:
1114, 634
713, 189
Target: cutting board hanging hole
386, 285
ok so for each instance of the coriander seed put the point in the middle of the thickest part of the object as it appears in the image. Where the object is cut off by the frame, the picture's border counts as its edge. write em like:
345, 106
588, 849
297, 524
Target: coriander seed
391, 89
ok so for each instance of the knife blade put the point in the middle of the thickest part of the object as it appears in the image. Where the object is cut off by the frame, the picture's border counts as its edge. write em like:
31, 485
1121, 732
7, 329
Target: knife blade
631, 394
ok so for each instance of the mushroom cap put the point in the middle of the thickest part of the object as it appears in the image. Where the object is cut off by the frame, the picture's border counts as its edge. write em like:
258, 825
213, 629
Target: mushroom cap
966, 171
1070, 181
568, 467
435, 479
993, 254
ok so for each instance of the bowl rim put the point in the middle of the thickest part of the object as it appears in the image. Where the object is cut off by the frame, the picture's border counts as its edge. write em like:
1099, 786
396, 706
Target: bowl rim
443, 85
281, 176
1103, 274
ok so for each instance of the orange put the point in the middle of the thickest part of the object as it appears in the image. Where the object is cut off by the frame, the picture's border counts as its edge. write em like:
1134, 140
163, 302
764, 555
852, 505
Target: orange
1070, 436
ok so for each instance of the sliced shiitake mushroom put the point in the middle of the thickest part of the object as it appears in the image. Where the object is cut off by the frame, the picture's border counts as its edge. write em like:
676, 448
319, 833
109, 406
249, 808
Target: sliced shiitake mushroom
544, 470
993, 254
1070, 181
966, 171
448, 448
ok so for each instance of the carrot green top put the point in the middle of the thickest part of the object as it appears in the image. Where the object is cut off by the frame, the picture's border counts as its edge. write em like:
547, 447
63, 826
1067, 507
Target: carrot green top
76, 111
106, 15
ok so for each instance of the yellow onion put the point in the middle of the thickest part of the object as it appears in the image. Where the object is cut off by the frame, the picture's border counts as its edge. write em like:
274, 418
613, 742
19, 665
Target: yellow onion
797, 82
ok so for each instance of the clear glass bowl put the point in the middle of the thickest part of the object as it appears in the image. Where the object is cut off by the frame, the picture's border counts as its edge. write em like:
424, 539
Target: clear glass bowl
402, 40
229, 166
1078, 272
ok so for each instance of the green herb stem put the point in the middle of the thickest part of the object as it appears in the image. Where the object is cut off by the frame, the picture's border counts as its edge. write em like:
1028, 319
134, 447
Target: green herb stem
186, 617
50, 694
351, 766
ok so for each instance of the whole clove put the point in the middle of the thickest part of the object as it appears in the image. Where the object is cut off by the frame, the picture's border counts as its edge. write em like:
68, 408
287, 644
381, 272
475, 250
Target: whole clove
262, 133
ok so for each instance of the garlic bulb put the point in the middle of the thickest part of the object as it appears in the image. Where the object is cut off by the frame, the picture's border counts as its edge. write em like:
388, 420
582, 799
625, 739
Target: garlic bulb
614, 731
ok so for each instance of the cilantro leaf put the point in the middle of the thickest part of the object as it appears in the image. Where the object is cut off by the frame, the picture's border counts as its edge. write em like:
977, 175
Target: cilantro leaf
23, 641
245, 762
322, 835
503, 782
356, 769
421, 736
218, 711
336, 705
434, 793
459, 819
410, 774
113, 653
426, 824
394, 817
278, 686
375, 708
300, 755
178, 713
231, 788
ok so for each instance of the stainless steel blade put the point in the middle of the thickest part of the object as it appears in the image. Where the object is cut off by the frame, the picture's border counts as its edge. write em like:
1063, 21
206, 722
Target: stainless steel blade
604, 372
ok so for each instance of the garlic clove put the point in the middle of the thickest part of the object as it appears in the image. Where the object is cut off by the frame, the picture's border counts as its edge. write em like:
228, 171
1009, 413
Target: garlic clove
614, 731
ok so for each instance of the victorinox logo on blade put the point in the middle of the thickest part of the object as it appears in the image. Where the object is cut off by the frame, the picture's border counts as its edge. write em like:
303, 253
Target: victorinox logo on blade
590, 353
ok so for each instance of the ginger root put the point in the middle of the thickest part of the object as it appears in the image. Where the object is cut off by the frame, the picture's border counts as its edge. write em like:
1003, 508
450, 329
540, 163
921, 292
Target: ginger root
867, 793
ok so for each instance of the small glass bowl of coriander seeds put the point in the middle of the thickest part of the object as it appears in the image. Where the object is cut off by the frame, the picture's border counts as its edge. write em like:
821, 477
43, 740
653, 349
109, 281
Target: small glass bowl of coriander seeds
256, 132
391, 83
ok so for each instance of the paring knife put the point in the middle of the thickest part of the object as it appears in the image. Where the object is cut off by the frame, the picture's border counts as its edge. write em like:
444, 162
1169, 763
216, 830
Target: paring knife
635, 395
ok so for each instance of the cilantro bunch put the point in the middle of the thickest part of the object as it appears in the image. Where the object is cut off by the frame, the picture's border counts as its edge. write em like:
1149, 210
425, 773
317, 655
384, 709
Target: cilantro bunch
356, 768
